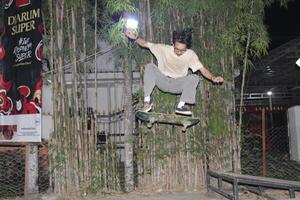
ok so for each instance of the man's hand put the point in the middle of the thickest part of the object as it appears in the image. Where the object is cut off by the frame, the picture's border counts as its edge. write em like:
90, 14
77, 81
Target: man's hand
217, 79
141, 42
131, 35
207, 74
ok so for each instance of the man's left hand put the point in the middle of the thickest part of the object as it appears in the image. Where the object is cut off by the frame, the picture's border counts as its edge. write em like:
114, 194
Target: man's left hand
217, 79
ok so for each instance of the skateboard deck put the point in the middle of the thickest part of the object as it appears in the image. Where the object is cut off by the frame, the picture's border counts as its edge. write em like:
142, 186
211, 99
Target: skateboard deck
180, 120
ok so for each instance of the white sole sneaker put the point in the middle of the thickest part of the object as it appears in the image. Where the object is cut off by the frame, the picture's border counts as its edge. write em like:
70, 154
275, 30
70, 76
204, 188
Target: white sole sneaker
183, 112
148, 109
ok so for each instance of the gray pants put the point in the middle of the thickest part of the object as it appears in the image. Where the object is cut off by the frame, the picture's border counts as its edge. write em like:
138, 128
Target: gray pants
186, 86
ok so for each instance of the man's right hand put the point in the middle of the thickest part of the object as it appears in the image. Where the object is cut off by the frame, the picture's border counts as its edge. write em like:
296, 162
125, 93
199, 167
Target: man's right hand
131, 35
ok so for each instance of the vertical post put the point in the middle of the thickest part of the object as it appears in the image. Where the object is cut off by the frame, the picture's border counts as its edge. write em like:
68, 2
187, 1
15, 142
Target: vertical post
220, 185
263, 136
292, 193
208, 181
31, 171
235, 189
128, 122
271, 111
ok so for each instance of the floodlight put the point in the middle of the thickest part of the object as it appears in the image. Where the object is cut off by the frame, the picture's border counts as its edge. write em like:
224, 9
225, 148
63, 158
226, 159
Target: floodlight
131, 23
298, 62
269, 93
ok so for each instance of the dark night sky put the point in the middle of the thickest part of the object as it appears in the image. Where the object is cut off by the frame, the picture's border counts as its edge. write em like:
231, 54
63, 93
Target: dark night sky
283, 23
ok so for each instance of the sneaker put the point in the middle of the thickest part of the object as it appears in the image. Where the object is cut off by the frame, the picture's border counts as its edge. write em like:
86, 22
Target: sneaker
183, 111
147, 107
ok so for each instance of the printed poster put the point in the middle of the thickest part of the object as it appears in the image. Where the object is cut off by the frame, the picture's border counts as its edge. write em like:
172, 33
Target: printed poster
21, 71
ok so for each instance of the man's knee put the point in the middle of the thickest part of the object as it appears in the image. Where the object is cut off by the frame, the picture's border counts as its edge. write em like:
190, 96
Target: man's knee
193, 79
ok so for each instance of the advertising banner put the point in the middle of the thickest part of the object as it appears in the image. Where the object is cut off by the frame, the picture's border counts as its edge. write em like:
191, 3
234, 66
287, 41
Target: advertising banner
20, 71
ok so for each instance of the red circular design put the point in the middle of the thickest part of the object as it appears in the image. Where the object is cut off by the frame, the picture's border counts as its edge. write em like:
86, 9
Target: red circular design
2, 52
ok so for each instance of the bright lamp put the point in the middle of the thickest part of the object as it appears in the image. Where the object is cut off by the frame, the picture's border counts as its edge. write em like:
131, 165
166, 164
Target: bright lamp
131, 23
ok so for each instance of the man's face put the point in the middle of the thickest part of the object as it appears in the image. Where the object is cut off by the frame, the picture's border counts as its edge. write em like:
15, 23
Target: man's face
179, 48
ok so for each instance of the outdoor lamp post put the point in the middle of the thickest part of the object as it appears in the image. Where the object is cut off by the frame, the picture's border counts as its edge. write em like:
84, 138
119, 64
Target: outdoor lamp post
270, 93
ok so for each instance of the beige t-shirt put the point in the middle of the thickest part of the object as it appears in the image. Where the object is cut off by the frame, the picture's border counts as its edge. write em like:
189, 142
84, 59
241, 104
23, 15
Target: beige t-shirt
172, 65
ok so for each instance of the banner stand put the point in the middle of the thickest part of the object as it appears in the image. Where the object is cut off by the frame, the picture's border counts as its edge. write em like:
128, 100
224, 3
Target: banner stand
31, 190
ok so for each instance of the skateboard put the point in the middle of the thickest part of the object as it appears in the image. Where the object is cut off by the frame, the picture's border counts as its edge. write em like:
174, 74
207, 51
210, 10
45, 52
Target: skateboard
162, 118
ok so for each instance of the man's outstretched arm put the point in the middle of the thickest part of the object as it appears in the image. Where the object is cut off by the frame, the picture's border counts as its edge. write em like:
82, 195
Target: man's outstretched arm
140, 41
207, 74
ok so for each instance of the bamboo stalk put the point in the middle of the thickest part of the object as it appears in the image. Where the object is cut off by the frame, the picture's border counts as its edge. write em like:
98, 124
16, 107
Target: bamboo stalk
52, 140
61, 127
84, 129
94, 132
69, 124
77, 138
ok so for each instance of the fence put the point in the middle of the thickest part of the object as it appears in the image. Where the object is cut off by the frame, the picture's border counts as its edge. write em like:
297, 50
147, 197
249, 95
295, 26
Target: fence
12, 170
273, 156
12, 157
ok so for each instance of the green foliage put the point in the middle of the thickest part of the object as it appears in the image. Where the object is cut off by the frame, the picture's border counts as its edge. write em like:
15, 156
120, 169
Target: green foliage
73, 4
116, 30
164, 102
59, 160
117, 36
120, 6
248, 19
169, 4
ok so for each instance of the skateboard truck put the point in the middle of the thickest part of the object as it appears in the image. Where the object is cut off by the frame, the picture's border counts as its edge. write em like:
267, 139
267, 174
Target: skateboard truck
151, 122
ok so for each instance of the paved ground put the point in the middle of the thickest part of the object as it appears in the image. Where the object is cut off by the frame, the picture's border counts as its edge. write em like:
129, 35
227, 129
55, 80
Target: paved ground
171, 196
139, 196
280, 195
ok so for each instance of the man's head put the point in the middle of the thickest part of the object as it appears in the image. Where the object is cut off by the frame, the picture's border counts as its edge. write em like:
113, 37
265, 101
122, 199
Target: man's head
182, 41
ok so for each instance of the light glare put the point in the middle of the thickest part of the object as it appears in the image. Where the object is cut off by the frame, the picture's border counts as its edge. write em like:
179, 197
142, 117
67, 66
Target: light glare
298, 62
132, 24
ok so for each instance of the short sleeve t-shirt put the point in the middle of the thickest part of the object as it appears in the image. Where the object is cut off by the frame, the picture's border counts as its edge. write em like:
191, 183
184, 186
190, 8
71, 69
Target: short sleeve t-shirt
172, 65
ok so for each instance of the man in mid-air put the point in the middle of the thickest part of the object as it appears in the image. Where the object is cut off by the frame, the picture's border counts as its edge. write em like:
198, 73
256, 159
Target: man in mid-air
171, 73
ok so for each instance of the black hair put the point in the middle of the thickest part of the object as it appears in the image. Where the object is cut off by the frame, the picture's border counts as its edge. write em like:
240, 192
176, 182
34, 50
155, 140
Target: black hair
184, 36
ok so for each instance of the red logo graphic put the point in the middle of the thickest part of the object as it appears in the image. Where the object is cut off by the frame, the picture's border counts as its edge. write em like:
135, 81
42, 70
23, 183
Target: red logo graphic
7, 3
2, 52
6, 104
27, 106
21, 3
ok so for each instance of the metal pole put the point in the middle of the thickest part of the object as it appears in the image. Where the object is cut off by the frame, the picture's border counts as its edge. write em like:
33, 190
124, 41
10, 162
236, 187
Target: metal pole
263, 135
271, 111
